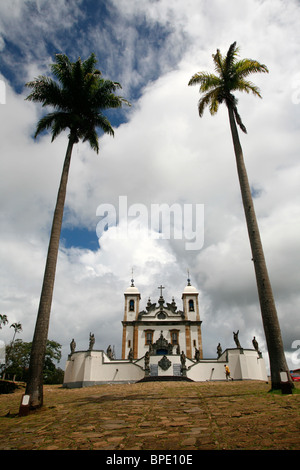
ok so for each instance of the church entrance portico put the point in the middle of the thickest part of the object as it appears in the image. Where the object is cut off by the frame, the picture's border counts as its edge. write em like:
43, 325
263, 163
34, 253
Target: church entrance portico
161, 347
162, 361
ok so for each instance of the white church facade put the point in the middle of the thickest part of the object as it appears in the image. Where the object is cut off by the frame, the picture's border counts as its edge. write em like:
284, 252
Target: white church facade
142, 329
161, 342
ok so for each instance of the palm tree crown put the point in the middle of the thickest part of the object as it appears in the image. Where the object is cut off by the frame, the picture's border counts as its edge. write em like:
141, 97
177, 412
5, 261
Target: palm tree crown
232, 74
78, 99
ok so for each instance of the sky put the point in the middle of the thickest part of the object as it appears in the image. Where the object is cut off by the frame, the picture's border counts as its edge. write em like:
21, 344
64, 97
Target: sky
162, 153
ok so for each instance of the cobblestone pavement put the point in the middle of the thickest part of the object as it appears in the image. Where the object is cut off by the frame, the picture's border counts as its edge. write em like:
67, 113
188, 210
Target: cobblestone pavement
155, 416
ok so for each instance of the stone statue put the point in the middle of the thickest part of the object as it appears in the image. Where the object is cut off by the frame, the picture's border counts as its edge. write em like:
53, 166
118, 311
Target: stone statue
92, 341
72, 346
147, 364
130, 355
178, 349
147, 360
236, 339
255, 345
109, 352
219, 350
183, 366
182, 358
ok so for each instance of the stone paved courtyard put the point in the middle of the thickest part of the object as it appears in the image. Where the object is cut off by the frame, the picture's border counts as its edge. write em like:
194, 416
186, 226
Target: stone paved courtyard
155, 416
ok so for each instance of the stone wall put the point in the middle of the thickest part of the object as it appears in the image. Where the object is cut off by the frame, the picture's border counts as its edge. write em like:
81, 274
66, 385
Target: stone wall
86, 368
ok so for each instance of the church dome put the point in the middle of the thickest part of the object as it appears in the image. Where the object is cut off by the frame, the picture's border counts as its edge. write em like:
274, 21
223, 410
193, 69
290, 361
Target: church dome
189, 289
132, 289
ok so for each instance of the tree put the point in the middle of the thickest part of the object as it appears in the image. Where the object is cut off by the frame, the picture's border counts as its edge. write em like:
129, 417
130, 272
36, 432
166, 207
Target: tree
78, 97
52, 374
18, 359
17, 327
218, 88
3, 321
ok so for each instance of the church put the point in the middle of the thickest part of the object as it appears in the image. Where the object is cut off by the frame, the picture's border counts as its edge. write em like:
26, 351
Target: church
142, 330
161, 342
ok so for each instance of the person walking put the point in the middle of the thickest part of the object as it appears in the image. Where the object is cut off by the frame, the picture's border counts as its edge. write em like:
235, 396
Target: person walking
227, 372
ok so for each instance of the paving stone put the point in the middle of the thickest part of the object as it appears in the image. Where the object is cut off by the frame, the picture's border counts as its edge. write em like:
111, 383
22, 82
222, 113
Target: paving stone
198, 430
113, 426
190, 441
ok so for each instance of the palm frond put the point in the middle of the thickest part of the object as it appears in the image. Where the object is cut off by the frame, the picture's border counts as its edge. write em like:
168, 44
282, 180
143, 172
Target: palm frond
57, 121
47, 92
44, 123
247, 86
245, 67
230, 58
205, 80
211, 100
104, 96
88, 66
92, 138
62, 69
62, 122
77, 74
239, 120
219, 62
103, 123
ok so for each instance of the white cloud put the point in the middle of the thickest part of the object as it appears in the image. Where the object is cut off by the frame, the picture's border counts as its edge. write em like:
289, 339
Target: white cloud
164, 154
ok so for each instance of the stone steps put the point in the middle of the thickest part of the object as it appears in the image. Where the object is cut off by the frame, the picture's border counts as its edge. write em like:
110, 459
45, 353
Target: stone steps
165, 378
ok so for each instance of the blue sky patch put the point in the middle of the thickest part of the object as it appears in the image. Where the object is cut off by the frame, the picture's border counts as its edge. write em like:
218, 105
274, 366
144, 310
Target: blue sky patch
79, 238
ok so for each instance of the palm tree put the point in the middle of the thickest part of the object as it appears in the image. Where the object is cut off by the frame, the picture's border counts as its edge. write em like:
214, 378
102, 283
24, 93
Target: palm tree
3, 320
218, 88
17, 327
78, 99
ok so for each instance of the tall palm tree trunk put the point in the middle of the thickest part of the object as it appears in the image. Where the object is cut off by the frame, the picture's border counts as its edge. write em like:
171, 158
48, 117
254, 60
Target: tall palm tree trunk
35, 380
268, 309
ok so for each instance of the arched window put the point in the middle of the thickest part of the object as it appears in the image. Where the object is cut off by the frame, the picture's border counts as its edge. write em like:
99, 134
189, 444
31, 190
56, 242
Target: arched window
148, 337
131, 305
191, 306
174, 337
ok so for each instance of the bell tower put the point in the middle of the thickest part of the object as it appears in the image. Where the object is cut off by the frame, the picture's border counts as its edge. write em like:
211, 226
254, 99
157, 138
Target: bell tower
131, 310
193, 334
